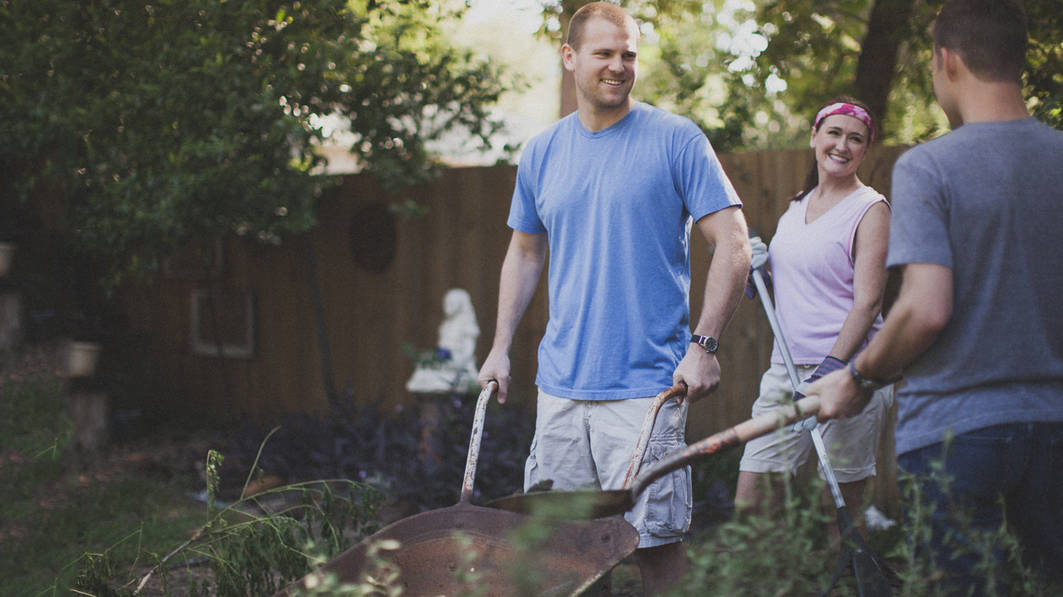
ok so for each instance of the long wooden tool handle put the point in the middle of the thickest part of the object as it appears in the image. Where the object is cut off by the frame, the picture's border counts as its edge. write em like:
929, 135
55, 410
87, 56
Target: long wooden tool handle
739, 434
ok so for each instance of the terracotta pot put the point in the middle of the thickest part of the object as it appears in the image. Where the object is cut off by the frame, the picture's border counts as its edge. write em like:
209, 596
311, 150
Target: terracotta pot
81, 358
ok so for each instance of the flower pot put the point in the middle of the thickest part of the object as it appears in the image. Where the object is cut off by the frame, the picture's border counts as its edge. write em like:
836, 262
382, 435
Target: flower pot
7, 251
81, 358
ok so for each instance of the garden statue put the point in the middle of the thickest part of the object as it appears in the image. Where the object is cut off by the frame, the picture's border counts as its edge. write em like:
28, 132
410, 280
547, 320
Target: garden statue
451, 367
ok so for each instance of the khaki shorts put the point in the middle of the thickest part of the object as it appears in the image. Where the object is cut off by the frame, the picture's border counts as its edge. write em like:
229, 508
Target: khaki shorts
852, 444
588, 444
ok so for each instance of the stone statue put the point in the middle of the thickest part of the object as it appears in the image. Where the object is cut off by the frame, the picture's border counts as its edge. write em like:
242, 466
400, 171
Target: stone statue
453, 366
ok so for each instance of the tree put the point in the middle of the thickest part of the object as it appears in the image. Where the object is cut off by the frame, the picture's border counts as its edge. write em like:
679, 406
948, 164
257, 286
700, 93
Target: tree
751, 72
879, 51
157, 124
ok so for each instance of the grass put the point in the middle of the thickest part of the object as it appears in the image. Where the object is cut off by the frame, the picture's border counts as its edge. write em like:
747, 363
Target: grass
102, 522
57, 504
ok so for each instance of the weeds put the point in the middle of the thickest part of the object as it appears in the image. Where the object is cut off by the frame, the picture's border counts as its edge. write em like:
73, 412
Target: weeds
995, 554
783, 553
252, 554
52, 511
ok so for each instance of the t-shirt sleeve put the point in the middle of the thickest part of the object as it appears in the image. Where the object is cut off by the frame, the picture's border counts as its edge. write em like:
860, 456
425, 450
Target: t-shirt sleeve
701, 181
919, 220
523, 216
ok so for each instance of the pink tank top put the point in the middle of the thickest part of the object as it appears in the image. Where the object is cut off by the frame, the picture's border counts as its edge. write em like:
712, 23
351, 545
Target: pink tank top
812, 270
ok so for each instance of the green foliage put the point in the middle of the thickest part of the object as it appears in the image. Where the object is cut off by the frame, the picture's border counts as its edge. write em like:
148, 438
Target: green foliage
262, 554
250, 553
815, 46
996, 553
51, 512
752, 74
1044, 72
184, 120
97, 529
783, 553
29, 401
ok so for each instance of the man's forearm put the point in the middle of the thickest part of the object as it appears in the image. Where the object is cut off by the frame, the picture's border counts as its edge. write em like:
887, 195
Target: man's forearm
521, 270
725, 282
922, 310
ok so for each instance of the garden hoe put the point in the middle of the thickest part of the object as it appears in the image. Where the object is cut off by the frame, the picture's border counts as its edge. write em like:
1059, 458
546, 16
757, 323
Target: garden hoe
873, 576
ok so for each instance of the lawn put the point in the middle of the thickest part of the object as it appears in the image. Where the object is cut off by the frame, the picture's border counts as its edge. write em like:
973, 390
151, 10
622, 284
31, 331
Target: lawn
58, 503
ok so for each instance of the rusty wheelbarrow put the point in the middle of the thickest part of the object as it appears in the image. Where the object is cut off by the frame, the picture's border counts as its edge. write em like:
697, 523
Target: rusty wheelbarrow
450, 551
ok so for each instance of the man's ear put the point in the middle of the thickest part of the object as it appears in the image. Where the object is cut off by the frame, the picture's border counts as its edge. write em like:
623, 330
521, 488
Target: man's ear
951, 62
568, 57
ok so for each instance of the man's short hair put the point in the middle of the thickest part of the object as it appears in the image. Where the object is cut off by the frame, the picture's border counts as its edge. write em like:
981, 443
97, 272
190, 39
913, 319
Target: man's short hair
605, 10
990, 36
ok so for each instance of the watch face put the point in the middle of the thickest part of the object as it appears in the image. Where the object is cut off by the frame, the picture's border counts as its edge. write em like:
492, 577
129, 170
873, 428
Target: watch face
707, 342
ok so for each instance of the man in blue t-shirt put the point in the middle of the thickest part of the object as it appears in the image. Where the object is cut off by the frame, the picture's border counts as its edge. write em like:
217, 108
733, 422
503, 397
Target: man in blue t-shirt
978, 324
611, 193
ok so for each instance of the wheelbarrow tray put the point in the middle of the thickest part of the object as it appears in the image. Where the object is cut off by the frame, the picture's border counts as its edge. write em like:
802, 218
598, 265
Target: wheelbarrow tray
466, 548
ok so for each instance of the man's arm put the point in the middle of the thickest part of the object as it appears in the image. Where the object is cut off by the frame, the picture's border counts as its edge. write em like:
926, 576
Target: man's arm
521, 269
923, 308
726, 233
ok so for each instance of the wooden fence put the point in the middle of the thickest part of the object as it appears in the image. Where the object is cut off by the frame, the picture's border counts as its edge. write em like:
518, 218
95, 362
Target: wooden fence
363, 285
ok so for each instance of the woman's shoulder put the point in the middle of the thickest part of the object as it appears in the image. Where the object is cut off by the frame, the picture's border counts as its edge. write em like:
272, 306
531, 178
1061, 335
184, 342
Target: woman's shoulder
868, 195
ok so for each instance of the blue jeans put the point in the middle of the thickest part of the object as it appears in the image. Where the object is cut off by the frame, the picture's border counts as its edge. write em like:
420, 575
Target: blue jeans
1019, 466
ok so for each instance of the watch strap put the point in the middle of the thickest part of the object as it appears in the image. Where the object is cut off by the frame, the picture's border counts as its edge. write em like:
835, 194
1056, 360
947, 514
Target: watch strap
867, 383
709, 343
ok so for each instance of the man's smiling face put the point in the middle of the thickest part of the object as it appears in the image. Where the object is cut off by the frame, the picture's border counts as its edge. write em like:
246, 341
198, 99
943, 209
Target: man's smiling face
604, 66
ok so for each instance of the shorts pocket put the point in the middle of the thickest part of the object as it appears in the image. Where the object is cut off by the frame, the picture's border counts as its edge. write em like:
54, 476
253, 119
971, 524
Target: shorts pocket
669, 503
531, 466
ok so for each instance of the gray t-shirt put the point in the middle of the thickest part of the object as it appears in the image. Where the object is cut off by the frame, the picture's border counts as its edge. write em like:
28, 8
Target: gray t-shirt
985, 200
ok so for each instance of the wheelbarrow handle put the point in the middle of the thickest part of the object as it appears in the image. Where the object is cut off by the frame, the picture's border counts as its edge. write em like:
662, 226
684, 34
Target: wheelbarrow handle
733, 436
474, 440
678, 389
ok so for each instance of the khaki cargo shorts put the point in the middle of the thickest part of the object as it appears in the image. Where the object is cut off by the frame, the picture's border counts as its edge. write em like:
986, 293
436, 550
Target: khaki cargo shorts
588, 444
852, 444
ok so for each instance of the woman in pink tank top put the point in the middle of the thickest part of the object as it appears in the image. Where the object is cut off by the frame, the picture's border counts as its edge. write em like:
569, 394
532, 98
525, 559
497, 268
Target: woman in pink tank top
827, 261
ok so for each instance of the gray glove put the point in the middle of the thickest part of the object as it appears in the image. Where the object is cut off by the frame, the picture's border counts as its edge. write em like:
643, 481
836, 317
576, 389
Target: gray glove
760, 259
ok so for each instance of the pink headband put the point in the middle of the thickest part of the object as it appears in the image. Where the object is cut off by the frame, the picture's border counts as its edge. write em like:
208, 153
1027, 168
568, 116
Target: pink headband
847, 110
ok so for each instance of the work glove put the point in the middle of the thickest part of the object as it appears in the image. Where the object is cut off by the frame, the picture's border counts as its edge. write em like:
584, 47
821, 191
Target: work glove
829, 365
760, 259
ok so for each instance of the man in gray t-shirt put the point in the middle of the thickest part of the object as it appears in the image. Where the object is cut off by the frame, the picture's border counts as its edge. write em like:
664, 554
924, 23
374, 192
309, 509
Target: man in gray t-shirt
978, 325
984, 202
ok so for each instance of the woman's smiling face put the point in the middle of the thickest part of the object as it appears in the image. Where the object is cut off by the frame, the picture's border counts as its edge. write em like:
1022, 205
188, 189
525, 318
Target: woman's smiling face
841, 143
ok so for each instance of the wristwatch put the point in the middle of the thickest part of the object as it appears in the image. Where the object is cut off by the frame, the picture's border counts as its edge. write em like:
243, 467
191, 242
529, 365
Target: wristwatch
709, 343
867, 383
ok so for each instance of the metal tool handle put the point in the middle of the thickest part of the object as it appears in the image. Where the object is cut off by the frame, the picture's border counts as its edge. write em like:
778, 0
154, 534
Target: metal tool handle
791, 370
474, 440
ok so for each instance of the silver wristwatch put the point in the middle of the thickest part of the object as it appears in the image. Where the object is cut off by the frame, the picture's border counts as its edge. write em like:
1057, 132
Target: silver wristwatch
866, 383
709, 343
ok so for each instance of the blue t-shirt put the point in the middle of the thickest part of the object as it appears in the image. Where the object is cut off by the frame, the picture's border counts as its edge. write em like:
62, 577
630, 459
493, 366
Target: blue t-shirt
986, 201
617, 207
